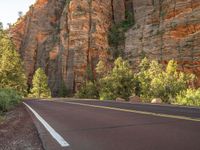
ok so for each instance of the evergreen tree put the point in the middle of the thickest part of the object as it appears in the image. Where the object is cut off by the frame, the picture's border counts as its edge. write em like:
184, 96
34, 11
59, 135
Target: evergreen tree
40, 86
12, 74
119, 82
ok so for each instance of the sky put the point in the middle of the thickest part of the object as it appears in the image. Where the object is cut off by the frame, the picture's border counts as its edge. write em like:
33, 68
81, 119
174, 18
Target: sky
9, 10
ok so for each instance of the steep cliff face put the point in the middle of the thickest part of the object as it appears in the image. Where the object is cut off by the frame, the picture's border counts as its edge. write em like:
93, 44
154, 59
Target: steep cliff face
66, 37
63, 37
166, 29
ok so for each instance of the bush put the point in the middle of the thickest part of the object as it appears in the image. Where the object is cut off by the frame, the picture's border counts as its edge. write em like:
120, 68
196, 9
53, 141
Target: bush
190, 97
155, 82
118, 83
88, 90
8, 99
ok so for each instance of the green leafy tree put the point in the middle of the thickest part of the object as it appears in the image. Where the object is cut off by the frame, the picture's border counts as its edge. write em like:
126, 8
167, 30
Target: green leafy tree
12, 73
158, 83
40, 86
119, 82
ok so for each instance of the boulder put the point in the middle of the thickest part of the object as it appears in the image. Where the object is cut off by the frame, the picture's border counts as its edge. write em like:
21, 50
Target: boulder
120, 99
156, 101
134, 99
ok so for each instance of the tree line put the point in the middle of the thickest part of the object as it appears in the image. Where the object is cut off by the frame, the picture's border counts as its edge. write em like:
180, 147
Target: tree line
13, 80
151, 80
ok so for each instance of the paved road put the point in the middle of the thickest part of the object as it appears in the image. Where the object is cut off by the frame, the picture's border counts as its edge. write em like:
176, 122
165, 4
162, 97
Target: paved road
96, 125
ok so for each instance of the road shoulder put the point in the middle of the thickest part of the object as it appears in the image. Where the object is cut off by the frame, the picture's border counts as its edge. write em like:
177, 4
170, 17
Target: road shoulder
17, 131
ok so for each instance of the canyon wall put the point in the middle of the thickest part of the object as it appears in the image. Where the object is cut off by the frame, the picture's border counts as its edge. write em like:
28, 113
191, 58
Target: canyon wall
164, 30
68, 37
65, 38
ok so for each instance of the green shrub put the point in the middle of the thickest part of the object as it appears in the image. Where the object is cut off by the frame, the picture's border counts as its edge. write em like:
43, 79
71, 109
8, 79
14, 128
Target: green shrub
190, 97
8, 99
88, 90
118, 83
155, 82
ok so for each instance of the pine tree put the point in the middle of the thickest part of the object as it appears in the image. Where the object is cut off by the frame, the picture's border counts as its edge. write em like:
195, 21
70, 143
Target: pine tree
40, 86
12, 73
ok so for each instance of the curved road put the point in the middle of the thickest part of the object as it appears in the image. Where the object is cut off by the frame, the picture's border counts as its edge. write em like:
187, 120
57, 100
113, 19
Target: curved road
97, 125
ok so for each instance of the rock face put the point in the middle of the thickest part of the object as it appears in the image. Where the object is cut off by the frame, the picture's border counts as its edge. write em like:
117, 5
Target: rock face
164, 30
66, 37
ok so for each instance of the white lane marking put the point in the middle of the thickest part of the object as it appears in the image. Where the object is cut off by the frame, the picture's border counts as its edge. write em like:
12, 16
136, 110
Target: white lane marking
136, 111
53, 133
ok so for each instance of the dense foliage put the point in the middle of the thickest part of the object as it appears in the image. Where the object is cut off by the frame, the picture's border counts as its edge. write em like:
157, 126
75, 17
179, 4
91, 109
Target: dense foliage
155, 82
119, 82
40, 86
152, 80
12, 74
88, 90
8, 99
189, 97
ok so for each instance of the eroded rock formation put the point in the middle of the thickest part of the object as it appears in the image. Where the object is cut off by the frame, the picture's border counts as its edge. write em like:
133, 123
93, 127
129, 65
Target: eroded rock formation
65, 37
164, 30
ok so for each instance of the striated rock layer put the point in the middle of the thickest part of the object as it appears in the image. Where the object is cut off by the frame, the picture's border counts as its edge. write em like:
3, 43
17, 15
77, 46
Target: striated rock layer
66, 37
166, 29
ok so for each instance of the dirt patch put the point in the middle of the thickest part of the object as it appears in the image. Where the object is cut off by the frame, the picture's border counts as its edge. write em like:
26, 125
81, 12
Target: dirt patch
17, 132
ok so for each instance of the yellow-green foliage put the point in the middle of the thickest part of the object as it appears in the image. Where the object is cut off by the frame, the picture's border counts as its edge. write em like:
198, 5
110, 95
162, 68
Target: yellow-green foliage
189, 97
12, 74
119, 82
152, 80
158, 83
40, 86
102, 69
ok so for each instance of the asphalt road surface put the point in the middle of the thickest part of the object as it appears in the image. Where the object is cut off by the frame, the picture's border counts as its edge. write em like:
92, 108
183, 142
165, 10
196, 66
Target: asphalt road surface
97, 125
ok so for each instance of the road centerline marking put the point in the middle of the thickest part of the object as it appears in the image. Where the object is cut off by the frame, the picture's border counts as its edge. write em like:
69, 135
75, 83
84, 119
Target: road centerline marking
137, 111
53, 133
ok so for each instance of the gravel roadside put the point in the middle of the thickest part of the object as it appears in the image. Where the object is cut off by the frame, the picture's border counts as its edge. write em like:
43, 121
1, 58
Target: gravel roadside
18, 132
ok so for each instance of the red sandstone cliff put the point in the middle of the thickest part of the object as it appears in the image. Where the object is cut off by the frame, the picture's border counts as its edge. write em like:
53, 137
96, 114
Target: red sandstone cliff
63, 37
67, 36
